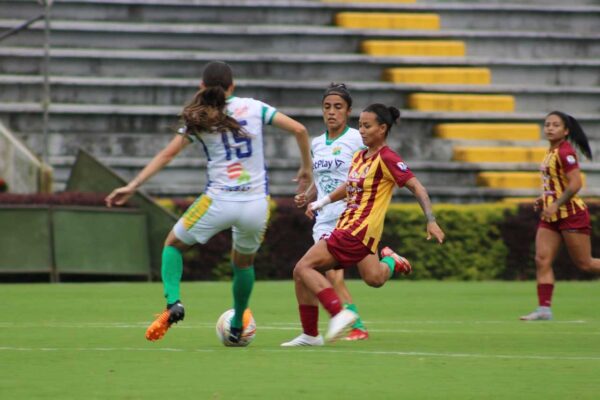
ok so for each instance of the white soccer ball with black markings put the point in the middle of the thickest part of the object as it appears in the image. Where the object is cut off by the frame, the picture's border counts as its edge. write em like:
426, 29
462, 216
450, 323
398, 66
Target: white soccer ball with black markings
248, 325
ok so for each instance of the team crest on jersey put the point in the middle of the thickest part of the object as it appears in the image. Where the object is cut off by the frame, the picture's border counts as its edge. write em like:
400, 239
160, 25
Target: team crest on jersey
240, 112
357, 176
571, 159
237, 171
336, 151
402, 166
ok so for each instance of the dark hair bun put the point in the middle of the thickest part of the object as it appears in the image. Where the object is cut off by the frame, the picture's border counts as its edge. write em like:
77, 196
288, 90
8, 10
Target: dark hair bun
395, 113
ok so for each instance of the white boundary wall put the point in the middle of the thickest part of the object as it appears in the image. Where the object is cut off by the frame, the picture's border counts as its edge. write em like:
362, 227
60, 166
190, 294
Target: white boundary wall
19, 167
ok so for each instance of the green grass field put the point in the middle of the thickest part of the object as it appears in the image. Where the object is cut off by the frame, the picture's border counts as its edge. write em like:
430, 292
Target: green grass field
429, 340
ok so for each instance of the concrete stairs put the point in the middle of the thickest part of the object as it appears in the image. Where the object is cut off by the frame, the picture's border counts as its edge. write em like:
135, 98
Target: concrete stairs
121, 71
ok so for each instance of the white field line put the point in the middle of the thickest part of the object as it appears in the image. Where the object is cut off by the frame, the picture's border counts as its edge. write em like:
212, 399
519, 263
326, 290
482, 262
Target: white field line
292, 327
315, 351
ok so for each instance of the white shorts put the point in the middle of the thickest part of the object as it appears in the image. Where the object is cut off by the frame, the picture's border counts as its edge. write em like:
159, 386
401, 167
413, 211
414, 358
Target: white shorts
207, 217
322, 230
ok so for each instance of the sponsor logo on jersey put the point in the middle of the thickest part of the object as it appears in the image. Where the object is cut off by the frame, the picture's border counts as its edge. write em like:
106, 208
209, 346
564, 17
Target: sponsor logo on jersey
240, 188
237, 171
402, 166
328, 184
336, 151
571, 159
324, 164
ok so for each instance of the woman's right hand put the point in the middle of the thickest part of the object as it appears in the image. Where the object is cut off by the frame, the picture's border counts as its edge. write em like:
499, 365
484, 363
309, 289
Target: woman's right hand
316, 206
301, 200
119, 196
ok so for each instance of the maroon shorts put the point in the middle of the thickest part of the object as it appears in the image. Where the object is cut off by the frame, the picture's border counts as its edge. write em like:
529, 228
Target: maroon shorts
345, 248
579, 222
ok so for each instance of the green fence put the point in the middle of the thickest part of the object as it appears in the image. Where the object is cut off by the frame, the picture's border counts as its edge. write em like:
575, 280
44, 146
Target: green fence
73, 240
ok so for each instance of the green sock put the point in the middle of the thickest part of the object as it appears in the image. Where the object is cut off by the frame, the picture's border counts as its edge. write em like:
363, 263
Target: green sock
243, 281
391, 263
171, 271
358, 324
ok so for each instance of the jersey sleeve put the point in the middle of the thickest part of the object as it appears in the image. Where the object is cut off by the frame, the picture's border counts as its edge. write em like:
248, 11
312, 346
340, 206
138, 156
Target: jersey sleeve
568, 158
398, 169
267, 113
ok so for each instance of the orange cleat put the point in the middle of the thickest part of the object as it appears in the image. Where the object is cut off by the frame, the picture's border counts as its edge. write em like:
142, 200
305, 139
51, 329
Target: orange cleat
402, 265
357, 334
164, 320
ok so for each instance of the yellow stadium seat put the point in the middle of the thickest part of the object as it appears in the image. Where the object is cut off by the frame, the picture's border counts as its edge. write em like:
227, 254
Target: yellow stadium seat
510, 180
456, 76
499, 154
488, 131
461, 102
513, 180
386, 20
414, 48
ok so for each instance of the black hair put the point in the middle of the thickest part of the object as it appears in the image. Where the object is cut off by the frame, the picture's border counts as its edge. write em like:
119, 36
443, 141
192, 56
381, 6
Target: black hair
217, 73
385, 115
206, 111
576, 134
338, 89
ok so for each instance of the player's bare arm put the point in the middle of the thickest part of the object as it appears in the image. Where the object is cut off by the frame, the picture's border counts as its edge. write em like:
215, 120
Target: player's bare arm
573, 186
304, 175
120, 195
420, 193
338, 194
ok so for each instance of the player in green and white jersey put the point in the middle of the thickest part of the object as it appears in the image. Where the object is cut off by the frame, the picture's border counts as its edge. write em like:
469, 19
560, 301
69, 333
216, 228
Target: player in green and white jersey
230, 130
332, 156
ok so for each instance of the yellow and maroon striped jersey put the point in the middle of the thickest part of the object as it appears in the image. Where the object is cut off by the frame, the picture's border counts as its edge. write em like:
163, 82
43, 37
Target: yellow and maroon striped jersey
555, 166
369, 191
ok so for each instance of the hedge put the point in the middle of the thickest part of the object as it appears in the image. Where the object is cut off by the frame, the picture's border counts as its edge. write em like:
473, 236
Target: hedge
484, 241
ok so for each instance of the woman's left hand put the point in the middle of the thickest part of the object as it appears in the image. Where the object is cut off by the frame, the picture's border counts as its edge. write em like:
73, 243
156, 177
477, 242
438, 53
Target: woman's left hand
550, 211
433, 229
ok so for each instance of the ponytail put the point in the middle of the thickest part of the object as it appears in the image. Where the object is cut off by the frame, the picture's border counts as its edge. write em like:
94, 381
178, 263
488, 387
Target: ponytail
206, 112
576, 134
385, 115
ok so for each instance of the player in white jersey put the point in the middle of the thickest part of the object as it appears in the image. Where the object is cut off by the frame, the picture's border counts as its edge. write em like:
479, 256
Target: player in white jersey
230, 130
332, 156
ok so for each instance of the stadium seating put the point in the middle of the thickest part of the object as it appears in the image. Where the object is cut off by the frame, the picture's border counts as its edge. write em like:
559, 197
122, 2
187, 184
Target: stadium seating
474, 80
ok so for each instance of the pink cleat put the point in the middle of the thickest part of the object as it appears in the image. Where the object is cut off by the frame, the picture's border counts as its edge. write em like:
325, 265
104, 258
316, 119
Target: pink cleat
402, 265
357, 334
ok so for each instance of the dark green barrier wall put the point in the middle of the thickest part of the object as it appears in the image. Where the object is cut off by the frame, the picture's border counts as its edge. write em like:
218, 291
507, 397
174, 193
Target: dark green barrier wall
25, 240
74, 240
108, 242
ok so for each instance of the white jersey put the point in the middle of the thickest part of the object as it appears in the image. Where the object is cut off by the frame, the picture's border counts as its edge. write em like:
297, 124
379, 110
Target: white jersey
236, 164
331, 163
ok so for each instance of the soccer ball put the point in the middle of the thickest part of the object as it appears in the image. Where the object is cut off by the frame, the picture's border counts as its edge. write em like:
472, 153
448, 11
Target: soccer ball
248, 325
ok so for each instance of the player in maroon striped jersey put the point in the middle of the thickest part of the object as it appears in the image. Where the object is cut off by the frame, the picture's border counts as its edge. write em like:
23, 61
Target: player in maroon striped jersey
368, 190
564, 216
